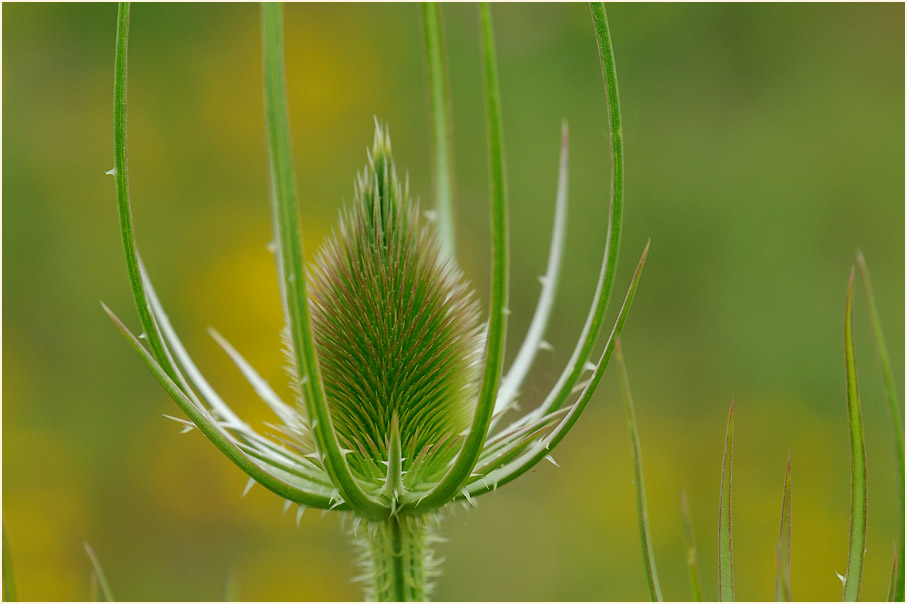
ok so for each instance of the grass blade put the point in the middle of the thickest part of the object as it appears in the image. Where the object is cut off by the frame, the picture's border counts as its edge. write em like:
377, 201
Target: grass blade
466, 459
292, 262
98, 578
690, 545
854, 575
896, 563
782, 581
894, 406
645, 533
725, 529
9, 582
441, 129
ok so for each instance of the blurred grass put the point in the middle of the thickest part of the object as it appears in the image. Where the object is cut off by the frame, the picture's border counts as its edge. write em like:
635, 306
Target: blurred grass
764, 145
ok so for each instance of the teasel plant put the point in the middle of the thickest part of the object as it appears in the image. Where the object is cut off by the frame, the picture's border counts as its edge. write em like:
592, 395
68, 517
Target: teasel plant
400, 389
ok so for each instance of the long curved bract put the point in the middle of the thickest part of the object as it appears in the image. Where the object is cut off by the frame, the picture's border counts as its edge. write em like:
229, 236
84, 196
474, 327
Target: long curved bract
289, 239
121, 177
497, 325
167, 359
440, 118
542, 448
197, 389
534, 338
266, 478
592, 327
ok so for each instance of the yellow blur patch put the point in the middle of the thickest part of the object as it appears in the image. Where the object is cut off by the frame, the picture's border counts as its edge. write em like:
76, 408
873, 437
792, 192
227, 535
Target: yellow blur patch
46, 517
279, 576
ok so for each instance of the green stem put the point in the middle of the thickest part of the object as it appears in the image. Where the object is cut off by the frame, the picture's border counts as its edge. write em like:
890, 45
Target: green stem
398, 560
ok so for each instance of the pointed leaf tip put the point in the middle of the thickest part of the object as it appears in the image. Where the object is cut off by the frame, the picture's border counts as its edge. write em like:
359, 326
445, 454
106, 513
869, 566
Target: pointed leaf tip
249, 484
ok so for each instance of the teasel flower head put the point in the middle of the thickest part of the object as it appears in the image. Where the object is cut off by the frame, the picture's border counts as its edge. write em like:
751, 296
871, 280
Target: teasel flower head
399, 382
396, 330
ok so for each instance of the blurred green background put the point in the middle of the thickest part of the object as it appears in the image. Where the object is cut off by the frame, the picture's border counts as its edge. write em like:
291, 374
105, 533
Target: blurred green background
764, 145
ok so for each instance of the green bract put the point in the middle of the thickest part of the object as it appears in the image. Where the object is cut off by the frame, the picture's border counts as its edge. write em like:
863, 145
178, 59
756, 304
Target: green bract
399, 383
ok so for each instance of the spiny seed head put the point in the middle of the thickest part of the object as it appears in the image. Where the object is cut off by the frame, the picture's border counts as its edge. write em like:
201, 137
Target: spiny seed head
396, 329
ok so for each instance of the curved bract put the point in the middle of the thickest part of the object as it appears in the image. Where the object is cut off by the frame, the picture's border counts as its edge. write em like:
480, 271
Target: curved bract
399, 384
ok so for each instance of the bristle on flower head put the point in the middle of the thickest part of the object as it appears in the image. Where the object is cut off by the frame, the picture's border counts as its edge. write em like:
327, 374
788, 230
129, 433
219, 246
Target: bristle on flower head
396, 328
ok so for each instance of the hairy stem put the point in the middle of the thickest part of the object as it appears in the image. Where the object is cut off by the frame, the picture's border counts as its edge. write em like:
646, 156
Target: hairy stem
397, 559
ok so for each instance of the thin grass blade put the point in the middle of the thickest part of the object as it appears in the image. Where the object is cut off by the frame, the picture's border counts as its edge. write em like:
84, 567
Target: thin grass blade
536, 332
690, 544
289, 238
439, 106
9, 581
894, 406
892, 582
466, 459
782, 580
725, 529
98, 576
544, 447
645, 533
854, 575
